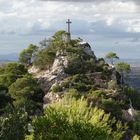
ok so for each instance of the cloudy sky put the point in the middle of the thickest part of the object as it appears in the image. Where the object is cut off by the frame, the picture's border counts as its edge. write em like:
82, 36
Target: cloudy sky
108, 25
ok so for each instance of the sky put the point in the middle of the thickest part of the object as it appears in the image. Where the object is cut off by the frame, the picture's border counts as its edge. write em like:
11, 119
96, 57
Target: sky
107, 25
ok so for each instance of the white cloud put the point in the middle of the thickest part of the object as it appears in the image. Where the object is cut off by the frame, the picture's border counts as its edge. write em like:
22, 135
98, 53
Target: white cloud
110, 21
104, 21
134, 25
27, 15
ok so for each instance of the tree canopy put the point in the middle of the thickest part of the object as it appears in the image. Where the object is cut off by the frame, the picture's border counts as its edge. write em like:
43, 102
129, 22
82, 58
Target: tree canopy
26, 93
111, 56
74, 120
123, 68
10, 72
5, 99
13, 125
27, 55
45, 58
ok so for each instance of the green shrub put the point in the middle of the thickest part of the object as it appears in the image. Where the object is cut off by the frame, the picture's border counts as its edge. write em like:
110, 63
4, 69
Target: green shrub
112, 84
11, 72
136, 137
80, 78
112, 106
73, 93
100, 99
95, 97
73, 120
45, 58
136, 127
57, 88
13, 126
137, 115
29, 137
134, 96
82, 87
26, 93
26, 55
97, 93
65, 84
79, 59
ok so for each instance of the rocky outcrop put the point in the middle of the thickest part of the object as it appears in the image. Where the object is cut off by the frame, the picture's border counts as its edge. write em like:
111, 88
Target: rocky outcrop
129, 114
56, 74
47, 78
86, 47
50, 98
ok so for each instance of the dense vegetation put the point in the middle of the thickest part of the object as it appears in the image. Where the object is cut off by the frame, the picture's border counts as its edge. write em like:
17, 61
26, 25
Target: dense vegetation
73, 120
19, 88
92, 101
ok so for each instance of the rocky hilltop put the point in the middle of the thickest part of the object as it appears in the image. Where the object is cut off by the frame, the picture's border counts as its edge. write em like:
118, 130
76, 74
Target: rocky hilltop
61, 90
72, 60
69, 67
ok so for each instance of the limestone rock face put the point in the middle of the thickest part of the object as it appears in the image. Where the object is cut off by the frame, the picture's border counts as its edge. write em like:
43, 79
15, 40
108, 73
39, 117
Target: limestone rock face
33, 70
87, 48
56, 74
127, 115
60, 62
50, 98
47, 78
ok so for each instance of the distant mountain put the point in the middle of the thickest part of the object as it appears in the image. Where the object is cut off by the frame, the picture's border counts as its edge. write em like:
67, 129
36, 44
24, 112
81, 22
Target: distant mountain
8, 57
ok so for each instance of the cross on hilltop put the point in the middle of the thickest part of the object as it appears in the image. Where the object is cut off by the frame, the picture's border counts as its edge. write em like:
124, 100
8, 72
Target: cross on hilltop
69, 22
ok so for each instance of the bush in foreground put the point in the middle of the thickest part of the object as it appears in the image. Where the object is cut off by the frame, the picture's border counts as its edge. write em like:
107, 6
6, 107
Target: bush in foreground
73, 120
13, 126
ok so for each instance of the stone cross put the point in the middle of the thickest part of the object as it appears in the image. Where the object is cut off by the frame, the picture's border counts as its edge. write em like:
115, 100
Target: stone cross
68, 22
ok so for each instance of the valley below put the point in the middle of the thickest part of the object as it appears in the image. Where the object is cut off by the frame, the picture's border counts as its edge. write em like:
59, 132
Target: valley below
134, 76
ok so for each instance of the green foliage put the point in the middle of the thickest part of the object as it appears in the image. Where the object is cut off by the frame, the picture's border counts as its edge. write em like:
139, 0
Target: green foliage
101, 62
58, 35
136, 127
100, 99
11, 72
73, 120
112, 84
79, 61
98, 93
65, 84
95, 97
4, 98
57, 88
45, 58
101, 66
123, 68
13, 126
29, 137
137, 115
136, 137
80, 82
73, 93
26, 93
80, 78
26, 55
134, 96
82, 87
111, 56
110, 105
